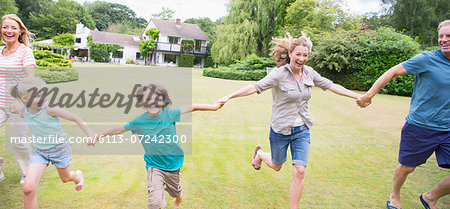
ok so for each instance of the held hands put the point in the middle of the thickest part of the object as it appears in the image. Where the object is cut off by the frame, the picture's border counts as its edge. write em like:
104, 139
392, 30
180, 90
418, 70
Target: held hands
93, 140
364, 101
16, 108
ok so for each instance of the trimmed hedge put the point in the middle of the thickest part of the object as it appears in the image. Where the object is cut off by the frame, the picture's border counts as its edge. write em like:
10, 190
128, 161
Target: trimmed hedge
234, 74
46, 58
186, 60
209, 62
252, 68
57, 75
356, 60
54, 68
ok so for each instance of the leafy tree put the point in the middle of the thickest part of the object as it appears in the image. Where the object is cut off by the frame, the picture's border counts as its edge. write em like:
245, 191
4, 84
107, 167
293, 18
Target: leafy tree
58, 17
26, 7
8, 7
105, 13
247, 29
165, 14
101, 52
64, 40
146, 46
317, 16
418, 18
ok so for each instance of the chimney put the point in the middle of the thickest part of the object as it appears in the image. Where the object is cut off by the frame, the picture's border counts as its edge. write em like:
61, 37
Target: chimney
178, 21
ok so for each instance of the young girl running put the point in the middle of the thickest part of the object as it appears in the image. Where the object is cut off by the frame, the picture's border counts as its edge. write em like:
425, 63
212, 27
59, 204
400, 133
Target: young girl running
163, 160
49, 140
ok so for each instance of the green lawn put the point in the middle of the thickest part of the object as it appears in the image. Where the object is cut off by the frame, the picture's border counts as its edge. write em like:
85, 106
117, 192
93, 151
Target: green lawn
352, 157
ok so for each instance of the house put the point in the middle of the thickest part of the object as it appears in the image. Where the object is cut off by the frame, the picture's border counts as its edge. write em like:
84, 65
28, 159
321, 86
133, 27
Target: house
168, 43
130, 44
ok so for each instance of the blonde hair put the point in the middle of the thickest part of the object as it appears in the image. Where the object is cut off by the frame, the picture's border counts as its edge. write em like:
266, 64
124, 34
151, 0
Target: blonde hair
157, 89
283, 46
25, 36
20, 90
443, 23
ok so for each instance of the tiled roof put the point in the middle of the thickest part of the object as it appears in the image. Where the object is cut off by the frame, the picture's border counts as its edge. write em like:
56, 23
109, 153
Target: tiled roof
183, 30
114, 38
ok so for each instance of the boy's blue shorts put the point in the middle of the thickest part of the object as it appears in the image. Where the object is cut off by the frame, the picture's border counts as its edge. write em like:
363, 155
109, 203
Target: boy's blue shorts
418, 144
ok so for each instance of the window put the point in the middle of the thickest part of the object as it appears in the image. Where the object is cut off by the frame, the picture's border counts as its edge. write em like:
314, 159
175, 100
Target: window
173, 40
139, 56
117, 54
198, 45
78, 40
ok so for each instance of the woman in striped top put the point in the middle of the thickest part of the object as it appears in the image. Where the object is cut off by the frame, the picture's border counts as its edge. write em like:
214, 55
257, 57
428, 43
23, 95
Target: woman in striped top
16, 62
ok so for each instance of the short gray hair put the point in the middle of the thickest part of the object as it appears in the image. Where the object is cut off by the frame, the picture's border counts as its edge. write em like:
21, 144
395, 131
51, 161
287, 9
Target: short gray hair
444, 23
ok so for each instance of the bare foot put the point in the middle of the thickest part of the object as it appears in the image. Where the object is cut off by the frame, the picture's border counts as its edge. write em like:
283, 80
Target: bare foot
80, 179
178, 200
395, 202
429, 201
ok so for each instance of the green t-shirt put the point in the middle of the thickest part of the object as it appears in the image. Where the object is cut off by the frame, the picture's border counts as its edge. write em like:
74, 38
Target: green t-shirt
156, 133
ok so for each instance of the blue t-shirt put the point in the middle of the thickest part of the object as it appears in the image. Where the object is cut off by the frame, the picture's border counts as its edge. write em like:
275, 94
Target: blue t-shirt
430, 102
162, 149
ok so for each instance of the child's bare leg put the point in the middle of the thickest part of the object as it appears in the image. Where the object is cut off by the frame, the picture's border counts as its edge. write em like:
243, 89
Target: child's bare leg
34, 174
178, 200
67, 175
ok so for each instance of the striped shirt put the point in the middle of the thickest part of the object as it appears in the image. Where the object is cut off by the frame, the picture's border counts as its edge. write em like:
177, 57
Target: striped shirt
12, 71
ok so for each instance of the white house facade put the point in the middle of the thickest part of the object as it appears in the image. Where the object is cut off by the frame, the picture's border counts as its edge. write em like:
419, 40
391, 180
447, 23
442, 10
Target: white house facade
168, 43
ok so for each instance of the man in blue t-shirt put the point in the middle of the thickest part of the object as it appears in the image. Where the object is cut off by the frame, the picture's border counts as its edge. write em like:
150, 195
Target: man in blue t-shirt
427, 127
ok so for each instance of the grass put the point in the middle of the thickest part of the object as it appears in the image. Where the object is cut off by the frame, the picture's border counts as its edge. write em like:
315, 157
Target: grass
352, 157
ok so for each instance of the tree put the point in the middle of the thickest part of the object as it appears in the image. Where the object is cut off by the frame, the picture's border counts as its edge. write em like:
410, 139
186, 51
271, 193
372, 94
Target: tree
418, 18
105, 13
146, 46
64, 40
26, 7
317, 16
58, 17
247, 29
165, 14
8, 7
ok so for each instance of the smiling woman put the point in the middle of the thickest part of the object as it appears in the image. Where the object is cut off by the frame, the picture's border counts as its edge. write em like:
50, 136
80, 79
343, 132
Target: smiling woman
16, 62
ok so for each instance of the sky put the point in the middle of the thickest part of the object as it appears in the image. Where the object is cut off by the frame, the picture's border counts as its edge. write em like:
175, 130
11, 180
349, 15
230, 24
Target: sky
214, 9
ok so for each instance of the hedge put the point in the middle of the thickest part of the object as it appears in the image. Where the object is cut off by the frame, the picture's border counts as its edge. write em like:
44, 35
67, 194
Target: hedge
54, 68
252, 68
209, 62
186, 60
57, 75
356, 60
234, 74
45, 58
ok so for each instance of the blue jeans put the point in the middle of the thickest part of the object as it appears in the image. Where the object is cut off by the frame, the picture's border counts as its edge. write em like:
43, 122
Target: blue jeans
299, 141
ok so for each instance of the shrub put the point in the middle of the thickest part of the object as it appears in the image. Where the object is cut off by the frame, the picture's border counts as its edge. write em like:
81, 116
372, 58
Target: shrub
56, 75
46, 58
356, 60
252, 68
209, 62
101, 52
54, 68
234, 74
186, 60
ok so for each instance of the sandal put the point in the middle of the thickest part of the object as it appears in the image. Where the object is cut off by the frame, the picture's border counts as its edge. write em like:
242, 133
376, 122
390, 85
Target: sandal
80, 184
255, 163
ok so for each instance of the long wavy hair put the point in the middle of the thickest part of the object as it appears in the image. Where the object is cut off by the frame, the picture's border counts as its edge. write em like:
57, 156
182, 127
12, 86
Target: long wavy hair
282, 46
25, 36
